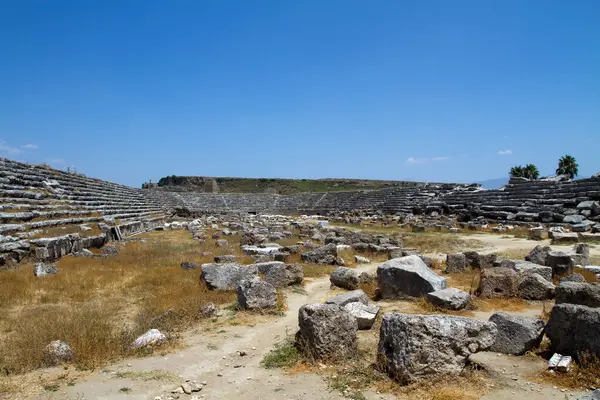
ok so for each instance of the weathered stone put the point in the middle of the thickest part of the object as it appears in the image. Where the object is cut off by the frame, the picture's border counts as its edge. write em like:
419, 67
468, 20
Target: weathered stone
365, 314
221, 243
583, 293
57, 352
361, 260
573, 329
323, 255
560, 262
349, 297
227, 258
538, 255
153, 337
536, 233
450, 298
256, 294
345, 278
265, 267
573, 219
41, 269
208, 310
407, 277
187, 265
327, 331
285, 275
516, 335
572, 278
226, 276
413, 347
498, 282
476, 260
525, 267
535, 287
582, 254
456, 263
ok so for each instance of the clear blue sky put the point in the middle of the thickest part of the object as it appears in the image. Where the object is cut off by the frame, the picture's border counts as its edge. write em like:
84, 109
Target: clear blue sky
423, 90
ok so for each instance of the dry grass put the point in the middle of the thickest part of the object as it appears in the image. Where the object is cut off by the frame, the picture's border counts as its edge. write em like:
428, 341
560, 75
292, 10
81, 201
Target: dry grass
499, 304
99, 305
584, 374
467, 280
470, 385
152, 375
440, 242
513, 254
317, 271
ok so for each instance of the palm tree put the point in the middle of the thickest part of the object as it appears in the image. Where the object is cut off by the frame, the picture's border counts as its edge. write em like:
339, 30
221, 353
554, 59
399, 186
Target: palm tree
531, 172
567, 166
517, 172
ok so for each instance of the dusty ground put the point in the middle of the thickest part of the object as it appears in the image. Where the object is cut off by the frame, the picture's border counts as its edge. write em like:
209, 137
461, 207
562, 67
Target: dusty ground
212, 357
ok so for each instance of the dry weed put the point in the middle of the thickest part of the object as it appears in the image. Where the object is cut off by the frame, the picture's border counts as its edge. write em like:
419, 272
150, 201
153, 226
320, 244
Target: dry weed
99, 305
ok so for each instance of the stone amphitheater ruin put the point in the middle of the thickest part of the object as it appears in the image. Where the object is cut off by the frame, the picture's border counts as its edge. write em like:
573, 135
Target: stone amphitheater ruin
402, 308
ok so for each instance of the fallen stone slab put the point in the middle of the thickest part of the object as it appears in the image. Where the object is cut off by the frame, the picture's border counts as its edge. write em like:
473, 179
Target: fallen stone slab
583, 293
285, 275
498, 282
41, 269
256, 294
345, 278
365, 314
349, 297
226, 276
535, 287
327, 331
449, 298
560, 262
538, 255
323, 255
516, 335
573, 329
414, 347
407, 277
525, 267
456, 262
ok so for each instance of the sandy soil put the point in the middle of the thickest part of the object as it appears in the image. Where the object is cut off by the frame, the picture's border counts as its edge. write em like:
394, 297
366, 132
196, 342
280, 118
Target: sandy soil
213, 358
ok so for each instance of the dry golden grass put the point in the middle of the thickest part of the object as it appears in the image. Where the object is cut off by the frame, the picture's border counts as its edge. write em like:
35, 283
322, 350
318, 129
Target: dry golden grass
317, 271
467, 280
584, 374
514, 254
499, 304
471, 385
422, 306
99, 305
440, 242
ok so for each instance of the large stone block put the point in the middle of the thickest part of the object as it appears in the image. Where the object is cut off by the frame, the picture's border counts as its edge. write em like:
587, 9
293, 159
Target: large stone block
407, 277
516, 335
226, 276
573, 329
327, 331
498, 282
346, 278
583, 293
413, 347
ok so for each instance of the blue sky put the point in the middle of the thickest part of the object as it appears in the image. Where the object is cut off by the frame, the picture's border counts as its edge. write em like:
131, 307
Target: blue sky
431, 90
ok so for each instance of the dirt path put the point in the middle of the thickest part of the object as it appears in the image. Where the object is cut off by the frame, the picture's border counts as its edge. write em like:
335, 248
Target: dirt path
214, 358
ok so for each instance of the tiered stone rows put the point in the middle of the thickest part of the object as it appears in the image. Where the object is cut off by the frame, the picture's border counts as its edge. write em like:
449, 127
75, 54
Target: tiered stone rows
34, 199
543, 201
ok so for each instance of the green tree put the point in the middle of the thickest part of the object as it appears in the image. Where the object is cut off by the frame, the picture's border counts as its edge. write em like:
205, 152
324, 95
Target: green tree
517, 172
567, 165
530, 171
